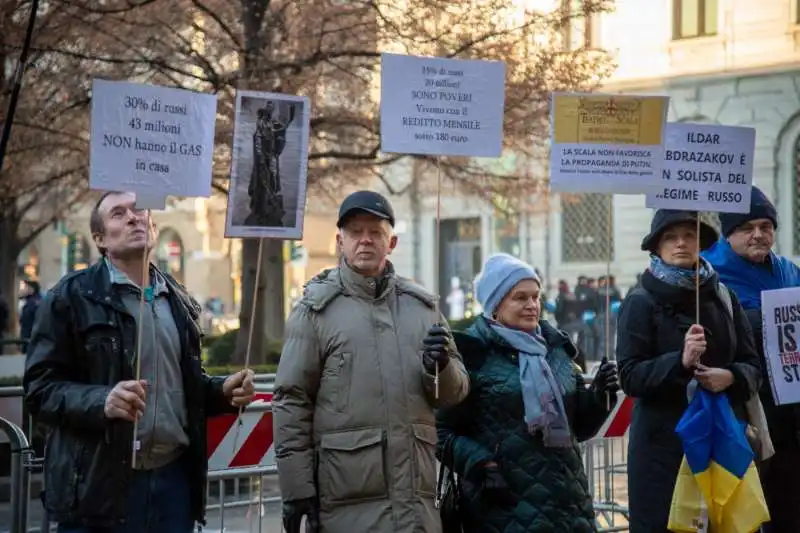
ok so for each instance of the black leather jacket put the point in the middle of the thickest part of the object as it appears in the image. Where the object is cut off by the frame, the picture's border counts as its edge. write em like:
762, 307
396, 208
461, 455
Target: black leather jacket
83, 343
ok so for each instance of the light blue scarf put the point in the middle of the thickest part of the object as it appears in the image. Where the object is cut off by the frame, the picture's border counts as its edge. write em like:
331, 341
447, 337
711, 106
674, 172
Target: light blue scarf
677, 276
541, 394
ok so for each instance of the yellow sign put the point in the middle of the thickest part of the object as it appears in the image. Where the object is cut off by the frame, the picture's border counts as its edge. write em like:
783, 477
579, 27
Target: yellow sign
596, 119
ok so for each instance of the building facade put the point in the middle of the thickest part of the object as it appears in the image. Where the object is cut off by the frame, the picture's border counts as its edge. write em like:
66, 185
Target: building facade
730, 62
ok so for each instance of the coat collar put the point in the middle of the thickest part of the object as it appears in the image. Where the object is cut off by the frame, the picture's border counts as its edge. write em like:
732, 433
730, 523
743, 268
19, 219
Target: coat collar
118, 277
96, 285
368, 288
556, 339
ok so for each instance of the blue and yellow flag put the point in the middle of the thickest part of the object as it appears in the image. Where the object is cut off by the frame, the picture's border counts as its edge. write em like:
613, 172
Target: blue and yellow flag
717, 471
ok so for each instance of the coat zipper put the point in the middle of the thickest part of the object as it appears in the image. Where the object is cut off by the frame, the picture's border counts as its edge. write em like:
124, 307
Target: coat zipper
117, 351
156, 364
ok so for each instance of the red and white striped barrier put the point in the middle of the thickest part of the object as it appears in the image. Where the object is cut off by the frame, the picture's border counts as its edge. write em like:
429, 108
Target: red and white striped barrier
254, 445
255, 442
619, 421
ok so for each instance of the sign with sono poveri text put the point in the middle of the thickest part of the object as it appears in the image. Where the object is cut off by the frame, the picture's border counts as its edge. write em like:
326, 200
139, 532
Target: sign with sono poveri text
706, 168
437, 106
152, 140
606, 143
781, 334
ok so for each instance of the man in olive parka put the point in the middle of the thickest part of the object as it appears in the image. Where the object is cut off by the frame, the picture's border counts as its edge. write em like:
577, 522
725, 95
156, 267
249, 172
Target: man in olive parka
355, 432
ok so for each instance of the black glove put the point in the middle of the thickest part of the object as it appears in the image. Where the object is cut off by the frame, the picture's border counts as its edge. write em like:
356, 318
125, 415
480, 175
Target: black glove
294, 511
606, 380
437, 348
495, 490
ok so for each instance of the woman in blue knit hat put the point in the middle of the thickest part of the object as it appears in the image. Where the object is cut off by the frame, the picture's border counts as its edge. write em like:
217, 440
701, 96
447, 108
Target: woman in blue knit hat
513, 441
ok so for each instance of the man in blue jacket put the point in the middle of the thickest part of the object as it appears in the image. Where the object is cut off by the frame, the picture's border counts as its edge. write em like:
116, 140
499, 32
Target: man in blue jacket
744, 259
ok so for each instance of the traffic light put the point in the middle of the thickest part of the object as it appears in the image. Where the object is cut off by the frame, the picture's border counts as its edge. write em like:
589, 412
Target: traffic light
76, 258
296, 251
72, 251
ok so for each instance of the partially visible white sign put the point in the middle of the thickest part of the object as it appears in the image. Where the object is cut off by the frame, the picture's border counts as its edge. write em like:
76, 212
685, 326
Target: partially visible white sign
781, 335
606, 143
437, 106
151, 201
706, 168
153, 140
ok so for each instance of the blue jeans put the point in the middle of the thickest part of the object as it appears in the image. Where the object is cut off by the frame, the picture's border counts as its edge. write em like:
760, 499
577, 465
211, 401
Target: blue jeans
158, 502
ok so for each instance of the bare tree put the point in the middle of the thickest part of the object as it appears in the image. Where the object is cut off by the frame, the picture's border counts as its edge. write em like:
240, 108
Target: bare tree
330, 51
45, 165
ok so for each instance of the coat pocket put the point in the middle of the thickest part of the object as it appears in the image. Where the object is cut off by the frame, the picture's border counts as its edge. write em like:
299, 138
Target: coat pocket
336, 381
425, 453
351, 467
62, 473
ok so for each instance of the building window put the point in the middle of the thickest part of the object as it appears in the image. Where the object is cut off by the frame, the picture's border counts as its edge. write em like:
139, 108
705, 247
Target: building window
459, 262
585, 230
591, 27
566, 24
580, 23
694, 18
506, 233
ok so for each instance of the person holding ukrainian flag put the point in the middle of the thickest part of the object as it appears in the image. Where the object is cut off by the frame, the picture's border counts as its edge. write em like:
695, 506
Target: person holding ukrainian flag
691, 381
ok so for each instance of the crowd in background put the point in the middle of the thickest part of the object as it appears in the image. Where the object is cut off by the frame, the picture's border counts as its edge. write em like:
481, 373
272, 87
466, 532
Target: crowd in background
582, 312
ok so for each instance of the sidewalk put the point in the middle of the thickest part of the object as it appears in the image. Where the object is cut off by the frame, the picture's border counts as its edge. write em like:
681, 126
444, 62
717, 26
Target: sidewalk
34, 516
236, 520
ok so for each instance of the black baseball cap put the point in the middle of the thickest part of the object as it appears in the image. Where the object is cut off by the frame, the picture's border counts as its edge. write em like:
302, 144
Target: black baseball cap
368, 202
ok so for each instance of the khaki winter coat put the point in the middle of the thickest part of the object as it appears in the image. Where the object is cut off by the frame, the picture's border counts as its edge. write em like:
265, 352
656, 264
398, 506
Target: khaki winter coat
353, 405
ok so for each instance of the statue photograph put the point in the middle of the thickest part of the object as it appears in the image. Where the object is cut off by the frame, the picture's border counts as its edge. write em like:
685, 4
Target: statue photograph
266, 197
269, 140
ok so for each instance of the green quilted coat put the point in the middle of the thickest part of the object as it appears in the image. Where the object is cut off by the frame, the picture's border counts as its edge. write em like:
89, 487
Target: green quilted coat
549, 484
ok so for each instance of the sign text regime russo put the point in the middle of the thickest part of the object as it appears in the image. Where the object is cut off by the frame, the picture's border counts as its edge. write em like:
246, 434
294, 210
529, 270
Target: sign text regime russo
703, 176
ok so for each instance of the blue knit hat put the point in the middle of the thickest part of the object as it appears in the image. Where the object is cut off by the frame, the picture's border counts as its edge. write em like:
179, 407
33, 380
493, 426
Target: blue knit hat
499, 275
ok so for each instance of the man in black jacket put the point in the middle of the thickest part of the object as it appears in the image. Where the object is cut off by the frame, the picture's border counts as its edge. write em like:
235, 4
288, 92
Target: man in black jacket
32, 297
80, 381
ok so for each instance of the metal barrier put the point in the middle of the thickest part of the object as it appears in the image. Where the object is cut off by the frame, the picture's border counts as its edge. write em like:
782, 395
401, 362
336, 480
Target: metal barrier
14, 391
250, 489
20, 475
22, 346
606, 470
255, 487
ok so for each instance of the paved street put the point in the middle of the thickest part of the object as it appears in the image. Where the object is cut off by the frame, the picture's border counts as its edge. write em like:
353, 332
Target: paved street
606, 478
245, 521
237, 520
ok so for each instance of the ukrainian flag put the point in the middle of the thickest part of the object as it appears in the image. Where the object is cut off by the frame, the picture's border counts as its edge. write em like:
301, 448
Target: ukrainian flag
717, 478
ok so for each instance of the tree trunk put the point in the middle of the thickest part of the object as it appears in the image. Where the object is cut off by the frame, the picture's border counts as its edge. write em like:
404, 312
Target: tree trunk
269, 309
269, 316
246, 315
273, 294
9, 251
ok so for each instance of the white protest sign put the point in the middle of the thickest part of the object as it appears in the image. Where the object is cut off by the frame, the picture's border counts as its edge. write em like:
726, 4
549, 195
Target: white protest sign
437, 106
606, 143
151, 201
781, 334
149, 139
706, 168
